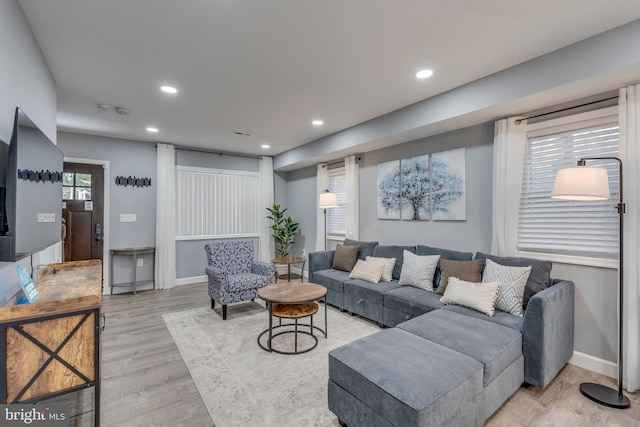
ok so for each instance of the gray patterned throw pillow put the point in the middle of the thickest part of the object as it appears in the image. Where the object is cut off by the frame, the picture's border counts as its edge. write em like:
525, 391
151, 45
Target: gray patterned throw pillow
513, 281
418, 270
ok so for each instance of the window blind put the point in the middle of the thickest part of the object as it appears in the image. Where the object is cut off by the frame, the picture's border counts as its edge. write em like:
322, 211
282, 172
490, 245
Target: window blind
337, 217
569, 227
213, 203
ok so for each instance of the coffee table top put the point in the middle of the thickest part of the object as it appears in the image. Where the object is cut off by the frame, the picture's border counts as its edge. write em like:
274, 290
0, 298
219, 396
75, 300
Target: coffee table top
292, 292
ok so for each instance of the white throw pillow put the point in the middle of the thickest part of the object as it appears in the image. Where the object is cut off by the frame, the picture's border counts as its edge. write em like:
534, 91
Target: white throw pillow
365, 270
418, 270
513, 281
388, 263
479, 296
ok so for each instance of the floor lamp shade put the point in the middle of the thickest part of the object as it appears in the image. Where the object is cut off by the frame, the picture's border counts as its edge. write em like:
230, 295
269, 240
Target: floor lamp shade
328, 200
583, 183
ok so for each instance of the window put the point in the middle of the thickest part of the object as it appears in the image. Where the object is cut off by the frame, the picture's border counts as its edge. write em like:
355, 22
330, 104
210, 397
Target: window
215, 203
582, 229
76, 186
337, 217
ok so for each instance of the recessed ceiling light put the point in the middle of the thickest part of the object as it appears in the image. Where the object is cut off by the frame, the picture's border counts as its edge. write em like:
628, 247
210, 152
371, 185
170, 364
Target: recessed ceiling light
265, 146
169, 89
317, 122
152, 129
423, 74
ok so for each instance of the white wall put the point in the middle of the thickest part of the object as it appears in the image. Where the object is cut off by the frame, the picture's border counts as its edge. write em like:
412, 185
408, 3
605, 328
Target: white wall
25, 82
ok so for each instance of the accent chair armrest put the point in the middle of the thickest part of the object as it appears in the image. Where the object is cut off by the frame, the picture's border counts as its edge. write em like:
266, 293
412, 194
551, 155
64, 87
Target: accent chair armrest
263, 268
547, 333
215, 274
321, 260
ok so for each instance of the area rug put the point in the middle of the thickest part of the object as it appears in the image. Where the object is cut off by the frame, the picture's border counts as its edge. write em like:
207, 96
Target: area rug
243, 385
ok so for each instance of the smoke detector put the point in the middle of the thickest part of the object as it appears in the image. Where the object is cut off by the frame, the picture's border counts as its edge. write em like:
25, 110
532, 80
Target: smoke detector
123, 111
103, 107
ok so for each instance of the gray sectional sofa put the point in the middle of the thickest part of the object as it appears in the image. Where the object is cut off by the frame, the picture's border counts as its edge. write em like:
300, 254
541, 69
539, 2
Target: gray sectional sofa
440, 364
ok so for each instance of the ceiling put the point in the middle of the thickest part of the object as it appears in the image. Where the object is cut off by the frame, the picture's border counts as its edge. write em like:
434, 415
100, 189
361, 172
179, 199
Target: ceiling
268, 68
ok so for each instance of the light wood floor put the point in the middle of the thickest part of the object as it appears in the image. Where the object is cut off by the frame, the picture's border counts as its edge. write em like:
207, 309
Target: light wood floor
146, 383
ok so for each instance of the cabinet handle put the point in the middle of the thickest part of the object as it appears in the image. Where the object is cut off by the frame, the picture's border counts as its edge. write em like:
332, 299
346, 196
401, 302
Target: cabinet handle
104, 321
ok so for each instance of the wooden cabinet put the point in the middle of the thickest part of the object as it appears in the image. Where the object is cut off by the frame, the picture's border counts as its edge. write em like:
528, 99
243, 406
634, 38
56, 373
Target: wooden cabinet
52, 346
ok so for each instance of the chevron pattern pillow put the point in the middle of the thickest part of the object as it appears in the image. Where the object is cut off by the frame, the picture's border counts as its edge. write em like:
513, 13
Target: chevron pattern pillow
418, 270
513, 280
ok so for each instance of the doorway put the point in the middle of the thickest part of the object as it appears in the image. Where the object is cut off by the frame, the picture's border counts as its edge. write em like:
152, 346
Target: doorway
83, 211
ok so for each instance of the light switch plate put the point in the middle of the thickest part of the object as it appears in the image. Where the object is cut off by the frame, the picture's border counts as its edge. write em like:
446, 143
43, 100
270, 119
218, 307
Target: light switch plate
140, 262
46, 217
128, 218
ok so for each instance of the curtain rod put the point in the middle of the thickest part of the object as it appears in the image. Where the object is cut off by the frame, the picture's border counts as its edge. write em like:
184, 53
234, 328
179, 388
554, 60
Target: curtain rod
566, 109
337, 162
201, 150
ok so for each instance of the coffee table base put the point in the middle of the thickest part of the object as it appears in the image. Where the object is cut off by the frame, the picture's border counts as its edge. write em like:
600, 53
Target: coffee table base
270, 348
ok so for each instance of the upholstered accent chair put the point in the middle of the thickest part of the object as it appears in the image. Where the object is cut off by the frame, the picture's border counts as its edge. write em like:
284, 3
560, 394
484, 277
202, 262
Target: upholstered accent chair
233, 273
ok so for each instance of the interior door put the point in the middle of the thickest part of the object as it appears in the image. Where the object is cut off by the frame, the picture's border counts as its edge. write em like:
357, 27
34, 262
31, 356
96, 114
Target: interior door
82, 211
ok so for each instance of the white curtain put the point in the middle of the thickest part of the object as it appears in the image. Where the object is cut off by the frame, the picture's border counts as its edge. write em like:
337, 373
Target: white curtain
322, 183
629, 120
267, 196
352, 182
165, 263
508, 155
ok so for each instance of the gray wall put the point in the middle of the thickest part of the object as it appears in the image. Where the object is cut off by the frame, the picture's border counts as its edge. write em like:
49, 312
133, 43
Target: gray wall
126, 158
190, 256
595, 303
26, 82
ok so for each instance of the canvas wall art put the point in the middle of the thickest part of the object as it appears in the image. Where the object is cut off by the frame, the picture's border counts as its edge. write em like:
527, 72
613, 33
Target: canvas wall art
414, 188
448, 196
388, 188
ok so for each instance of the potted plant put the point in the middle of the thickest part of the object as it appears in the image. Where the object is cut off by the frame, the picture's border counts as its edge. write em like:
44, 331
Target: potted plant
283, 229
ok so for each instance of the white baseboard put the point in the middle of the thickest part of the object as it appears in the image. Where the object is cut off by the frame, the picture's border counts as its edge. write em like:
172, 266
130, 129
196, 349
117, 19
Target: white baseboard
594, 364
191, 280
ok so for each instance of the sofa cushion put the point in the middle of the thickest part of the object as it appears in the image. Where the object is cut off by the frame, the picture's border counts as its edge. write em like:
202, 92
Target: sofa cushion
345, 257
500, 317
471, 271
331, 279
539, 278
365, 248
479, 296
372, 293
418, 270
512, 283
412, 301
410, 380
369, 271
493, 345
383, 251
388, 263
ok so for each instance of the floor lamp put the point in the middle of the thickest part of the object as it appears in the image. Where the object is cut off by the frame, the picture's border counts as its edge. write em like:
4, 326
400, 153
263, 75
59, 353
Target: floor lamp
583, 183
327, 200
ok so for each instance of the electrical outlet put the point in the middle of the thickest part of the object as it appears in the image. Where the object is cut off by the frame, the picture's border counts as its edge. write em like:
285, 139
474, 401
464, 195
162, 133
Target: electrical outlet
46, 217
128, 218
140, 262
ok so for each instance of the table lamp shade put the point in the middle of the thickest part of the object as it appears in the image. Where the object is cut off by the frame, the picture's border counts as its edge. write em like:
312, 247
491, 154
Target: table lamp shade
328, 200
581, 183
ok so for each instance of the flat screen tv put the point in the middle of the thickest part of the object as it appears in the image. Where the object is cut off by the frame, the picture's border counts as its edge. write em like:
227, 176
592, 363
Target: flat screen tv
33, 199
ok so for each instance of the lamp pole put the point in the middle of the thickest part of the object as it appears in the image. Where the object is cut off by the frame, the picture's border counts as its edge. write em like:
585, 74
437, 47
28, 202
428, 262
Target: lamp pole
598, 392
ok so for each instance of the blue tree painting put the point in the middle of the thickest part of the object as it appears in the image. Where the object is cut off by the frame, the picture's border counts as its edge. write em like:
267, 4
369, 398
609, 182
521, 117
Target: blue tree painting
388, 185
448, 197
414, 184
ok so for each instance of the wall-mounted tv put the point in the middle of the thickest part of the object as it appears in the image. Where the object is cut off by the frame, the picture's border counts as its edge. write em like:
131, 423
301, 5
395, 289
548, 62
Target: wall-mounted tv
33, 192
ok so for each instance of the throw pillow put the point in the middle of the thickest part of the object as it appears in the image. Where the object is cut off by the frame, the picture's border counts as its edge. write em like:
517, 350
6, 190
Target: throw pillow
470, 271
539, 279
388, 263
418, 270
366, 248
345, 257
367, 270
513, 280
478, 296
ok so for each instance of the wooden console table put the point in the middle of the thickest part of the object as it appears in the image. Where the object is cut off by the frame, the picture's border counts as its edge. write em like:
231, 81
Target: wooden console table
51, 347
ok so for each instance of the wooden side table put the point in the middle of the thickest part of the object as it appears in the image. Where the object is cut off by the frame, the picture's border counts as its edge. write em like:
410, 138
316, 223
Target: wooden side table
288, 261
134, 253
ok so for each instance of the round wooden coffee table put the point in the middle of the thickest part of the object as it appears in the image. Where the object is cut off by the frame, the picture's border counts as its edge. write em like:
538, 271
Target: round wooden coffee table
292, 301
